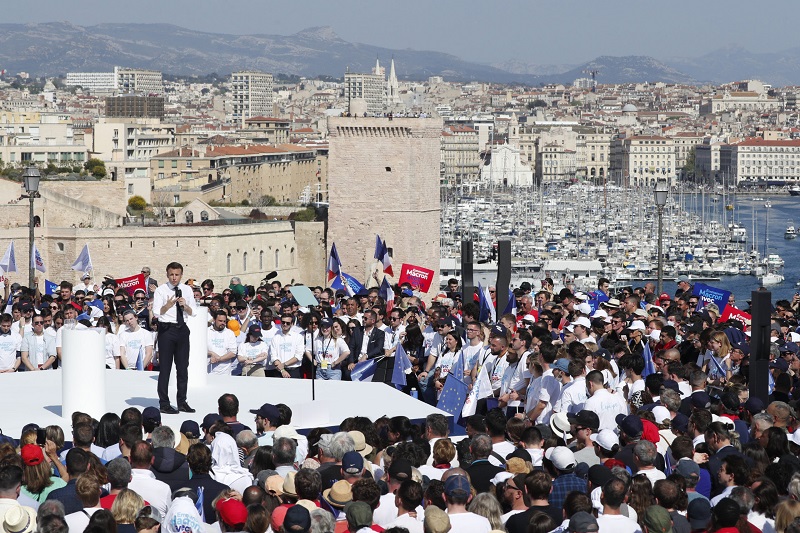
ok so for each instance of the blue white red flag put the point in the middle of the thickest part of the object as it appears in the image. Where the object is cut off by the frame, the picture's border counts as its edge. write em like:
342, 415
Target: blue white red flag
334, 263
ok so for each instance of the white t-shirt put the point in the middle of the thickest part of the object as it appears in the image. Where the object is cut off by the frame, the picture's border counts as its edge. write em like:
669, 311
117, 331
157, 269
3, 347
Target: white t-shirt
573, 397
134, 343
250, 351
112, 350
39, 348
617, 524
413, 525
60, 332
9, 346
652, 474
497, 370
328, 350
285, 347
445, 362
607, 406
514, 379
474, 523
502, 449
221, 343
549, 393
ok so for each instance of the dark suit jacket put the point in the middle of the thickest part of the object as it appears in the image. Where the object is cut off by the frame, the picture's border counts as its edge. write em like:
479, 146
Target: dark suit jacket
211, 490
714, 464
68, 496
374, 349
481, 473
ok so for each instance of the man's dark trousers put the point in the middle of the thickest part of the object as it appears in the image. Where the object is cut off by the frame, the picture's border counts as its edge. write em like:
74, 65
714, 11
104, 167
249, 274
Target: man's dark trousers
173, 344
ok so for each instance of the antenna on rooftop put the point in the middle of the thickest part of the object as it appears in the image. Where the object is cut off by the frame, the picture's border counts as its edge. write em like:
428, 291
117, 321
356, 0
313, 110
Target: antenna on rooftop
593, 73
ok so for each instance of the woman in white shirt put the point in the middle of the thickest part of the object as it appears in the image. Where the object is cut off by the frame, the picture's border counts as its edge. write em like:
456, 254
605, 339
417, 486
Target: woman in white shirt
329, 352
252, 353
112, 343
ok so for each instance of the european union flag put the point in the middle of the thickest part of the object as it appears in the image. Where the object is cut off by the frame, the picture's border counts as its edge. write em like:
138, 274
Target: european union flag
458, 367
401, 364
364, 370
353, 285
649, 367
50, 287
453, 396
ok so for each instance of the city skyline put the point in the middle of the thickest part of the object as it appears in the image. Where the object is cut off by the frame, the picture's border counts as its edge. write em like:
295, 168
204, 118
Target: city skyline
564, 33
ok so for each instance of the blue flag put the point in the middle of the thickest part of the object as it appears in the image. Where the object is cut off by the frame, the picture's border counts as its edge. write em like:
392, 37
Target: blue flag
140, 359
386, 291
199, 505
458, 367
401, 364
511, 306
353, 285
364, 370
50, 287
453, 396
771, 384
649, 367
484, 305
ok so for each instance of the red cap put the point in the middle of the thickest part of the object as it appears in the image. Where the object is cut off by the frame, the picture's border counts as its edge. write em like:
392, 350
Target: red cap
231, 511
650, 432
664, 296
31, 454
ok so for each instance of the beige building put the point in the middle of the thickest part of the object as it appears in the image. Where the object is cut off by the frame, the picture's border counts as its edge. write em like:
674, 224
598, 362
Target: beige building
706, 163
365, 93
239, 172
265, 130
641, 160
740, 101
251, 95
555, 163
126, 146
755, 159
35, 137
685, 143
136, 80
461, 162
384, 179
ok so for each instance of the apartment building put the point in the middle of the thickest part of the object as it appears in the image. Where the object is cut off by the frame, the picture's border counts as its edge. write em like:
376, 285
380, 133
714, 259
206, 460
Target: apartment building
756, 159
641, 160
251, 95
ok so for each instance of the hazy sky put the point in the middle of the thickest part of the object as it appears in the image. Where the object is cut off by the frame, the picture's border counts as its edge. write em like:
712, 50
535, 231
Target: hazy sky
553, 32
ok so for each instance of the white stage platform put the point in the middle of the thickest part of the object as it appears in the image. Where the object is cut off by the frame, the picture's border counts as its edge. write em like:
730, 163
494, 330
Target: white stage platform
36, 397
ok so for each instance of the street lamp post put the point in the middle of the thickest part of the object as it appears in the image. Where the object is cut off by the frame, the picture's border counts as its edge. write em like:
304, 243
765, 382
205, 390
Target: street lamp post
30, 180
661, 192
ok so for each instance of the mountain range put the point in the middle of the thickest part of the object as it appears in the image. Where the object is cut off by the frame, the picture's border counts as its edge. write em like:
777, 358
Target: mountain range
55, 48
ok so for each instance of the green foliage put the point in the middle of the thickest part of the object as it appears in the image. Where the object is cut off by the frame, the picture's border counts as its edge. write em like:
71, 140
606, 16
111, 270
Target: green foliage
537, 103
137, 203
95, 167
306, 215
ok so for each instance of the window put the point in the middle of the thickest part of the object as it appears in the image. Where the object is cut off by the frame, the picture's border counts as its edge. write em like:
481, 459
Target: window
188, 164
277, 258
130, 188
204, 216
261, 260
244, 262
189, 217
176, 199
161, 164
174, 163
161, 175
228, 264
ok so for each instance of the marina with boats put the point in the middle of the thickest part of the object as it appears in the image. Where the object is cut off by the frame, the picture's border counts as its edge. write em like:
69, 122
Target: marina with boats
577, 233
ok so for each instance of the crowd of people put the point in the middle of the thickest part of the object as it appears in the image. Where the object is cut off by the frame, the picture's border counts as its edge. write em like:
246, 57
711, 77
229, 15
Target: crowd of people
633, 415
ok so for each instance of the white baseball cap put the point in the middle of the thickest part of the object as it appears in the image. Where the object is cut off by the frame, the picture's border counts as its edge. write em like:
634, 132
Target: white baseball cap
561, 457
637, 325
606, 439
583, 321
584, 309
600, 313
655, 335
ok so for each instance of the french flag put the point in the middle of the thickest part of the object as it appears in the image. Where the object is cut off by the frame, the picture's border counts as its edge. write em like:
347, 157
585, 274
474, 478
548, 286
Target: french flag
334, 263
382, 255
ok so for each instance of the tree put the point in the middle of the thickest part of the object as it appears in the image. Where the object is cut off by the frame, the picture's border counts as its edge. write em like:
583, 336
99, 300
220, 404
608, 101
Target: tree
537, 103
95, 167
137, 203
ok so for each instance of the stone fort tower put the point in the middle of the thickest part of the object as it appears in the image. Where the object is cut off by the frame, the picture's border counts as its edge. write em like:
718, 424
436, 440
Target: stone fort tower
383, 177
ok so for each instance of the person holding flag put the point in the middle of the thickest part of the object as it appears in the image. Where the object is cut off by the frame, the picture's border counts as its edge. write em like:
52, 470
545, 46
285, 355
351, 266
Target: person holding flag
135, 343
447, 360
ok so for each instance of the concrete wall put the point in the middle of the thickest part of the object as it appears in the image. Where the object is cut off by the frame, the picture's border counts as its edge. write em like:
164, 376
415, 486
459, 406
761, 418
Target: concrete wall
203, 250
98, 204
384, 179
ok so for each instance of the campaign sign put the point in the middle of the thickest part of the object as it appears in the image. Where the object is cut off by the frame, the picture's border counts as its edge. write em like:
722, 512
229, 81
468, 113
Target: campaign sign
418, 277
731, 313
708, 294
131, 283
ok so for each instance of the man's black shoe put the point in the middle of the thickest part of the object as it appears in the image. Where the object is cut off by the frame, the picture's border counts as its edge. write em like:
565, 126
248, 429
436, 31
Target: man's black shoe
184, 408
169, 410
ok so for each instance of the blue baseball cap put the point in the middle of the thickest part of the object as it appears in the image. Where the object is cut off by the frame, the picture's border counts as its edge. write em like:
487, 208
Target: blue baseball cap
562, 364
